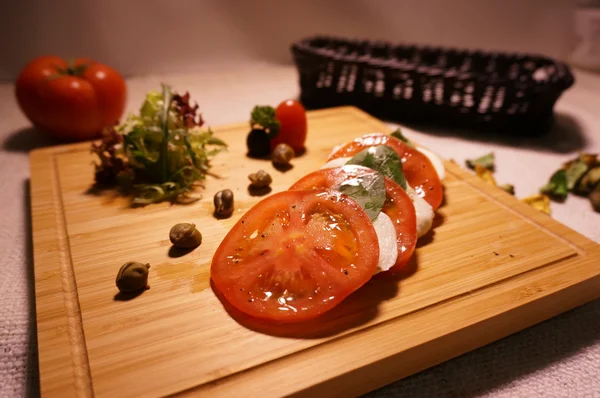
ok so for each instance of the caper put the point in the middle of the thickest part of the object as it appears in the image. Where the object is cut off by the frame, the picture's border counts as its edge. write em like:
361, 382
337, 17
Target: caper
223, 201
185, 236
282, 155
133, 276
260, 179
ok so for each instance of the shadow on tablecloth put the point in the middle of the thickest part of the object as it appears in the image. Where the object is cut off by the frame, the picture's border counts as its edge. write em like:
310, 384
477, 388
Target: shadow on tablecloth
28, 139
566, 135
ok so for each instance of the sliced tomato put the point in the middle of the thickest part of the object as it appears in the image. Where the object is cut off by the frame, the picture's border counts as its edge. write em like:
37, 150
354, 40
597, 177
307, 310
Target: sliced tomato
418, 169
295, 255
398, 206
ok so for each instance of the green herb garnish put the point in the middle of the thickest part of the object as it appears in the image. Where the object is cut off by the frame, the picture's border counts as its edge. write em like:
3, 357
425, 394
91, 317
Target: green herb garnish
557, 186
398, 134
368, 191
486, 161
160, 154
383, 159
264, 117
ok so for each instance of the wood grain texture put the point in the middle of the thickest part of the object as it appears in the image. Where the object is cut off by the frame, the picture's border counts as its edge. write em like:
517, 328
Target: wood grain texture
491, 267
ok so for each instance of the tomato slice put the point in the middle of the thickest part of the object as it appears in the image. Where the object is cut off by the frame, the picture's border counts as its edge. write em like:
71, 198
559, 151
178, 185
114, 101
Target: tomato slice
418, 169
398, 206
295, 255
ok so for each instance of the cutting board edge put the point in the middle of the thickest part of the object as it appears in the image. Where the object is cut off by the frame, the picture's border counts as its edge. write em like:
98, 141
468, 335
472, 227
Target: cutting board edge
68, 374
47, 154
538, 306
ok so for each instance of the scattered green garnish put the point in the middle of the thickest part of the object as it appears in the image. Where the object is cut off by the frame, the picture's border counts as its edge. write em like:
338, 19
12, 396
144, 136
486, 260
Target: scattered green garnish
485, 174
368, 191
574, 173
508, 188
557, 186
587, 183
383, 159
398, 134
160, 154
486, 161
539, 202
580, 176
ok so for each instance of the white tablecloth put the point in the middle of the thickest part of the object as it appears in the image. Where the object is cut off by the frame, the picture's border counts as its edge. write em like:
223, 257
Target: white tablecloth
559, 358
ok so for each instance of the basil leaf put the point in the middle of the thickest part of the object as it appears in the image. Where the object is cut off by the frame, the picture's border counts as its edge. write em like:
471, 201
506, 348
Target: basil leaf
486, 161
383, 159
398, 134
557, 186
368, 191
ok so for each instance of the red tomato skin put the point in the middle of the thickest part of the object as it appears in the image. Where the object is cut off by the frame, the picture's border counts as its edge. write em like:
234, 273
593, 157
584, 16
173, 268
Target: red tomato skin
70, 107
398, 206
235, 283
292, 117
417, 168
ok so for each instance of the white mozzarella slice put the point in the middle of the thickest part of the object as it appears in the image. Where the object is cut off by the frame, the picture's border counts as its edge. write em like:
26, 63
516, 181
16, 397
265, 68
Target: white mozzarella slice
335, 163
388, 247
437, 162
424, 212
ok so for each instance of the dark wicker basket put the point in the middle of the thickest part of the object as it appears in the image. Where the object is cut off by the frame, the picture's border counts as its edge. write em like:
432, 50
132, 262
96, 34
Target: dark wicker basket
514, 93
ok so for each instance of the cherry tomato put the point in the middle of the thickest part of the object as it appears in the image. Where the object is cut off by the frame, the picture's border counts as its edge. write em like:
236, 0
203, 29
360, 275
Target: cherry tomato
70, 101
292, 117
295, 255
398, 206
418, 169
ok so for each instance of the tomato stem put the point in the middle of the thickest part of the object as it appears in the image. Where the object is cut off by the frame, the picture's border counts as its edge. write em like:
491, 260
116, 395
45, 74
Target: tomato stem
70, 70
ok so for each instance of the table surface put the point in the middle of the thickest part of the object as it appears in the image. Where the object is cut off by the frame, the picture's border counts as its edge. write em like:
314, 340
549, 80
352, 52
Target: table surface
558, 358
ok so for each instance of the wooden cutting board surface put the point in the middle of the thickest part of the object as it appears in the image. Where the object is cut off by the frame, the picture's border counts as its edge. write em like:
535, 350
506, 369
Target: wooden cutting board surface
491, 266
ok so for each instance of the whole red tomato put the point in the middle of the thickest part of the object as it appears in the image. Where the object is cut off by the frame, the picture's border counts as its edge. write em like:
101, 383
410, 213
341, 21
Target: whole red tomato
292, 116
72, 101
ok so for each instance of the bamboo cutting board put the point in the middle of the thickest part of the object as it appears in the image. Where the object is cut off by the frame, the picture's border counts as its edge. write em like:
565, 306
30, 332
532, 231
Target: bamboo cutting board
492, 266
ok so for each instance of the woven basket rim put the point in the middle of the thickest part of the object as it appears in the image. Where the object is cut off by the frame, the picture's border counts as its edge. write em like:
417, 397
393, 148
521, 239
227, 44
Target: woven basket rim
562, 73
